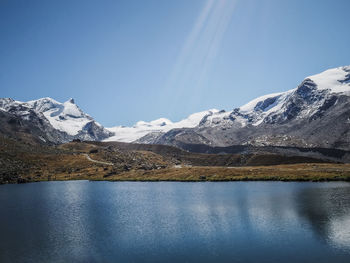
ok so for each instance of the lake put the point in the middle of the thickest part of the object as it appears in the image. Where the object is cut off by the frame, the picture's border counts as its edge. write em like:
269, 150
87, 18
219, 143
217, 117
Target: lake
82, 221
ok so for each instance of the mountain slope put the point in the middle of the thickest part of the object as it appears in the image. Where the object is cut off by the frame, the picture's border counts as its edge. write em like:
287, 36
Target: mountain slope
32, 131
315, 114
61, 122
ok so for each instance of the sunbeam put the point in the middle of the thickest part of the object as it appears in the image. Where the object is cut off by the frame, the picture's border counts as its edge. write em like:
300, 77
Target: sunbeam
201, 47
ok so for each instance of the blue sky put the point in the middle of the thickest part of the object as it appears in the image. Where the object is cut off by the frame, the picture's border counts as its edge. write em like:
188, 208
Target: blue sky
124, 61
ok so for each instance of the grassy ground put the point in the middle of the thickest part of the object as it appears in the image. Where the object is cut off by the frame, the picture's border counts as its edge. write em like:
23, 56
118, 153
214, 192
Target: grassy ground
82, 161
295, 172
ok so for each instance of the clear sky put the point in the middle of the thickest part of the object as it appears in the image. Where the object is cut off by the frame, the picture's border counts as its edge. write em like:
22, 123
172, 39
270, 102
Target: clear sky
124, 61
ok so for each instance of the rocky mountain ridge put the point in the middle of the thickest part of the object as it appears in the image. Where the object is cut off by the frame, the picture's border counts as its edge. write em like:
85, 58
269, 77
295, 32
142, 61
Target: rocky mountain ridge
315, 114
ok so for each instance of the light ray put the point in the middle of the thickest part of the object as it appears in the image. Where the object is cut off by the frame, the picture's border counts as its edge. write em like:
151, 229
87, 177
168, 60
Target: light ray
200, 48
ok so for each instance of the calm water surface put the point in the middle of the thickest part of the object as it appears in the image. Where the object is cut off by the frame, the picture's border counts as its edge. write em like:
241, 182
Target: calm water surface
81, 221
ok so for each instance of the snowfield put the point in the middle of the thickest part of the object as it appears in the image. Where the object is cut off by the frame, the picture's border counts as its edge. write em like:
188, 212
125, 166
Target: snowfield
142, 128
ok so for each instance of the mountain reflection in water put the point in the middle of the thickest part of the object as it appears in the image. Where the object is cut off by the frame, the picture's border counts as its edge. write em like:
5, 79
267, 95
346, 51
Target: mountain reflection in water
328, 211
84, 221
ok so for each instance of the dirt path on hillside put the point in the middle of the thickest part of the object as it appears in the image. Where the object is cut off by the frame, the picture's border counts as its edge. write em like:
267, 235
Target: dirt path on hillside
95, 161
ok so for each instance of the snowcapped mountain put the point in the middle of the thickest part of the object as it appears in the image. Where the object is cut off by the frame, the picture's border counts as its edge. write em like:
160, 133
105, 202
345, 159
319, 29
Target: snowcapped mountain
304, 101
66, 118
315, 114
155, 128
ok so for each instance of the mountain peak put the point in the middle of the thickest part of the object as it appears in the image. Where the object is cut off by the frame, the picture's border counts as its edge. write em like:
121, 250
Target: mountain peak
45, 99
337, 80
64, 117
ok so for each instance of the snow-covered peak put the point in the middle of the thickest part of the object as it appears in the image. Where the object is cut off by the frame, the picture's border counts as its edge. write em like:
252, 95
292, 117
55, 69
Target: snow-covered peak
5, 101
311, 94
72, 110
336, 80
18, 108
141, 128
43, 104
66, 117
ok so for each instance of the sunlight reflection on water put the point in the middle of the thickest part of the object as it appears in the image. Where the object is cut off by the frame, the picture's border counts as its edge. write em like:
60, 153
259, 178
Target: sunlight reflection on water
154, 222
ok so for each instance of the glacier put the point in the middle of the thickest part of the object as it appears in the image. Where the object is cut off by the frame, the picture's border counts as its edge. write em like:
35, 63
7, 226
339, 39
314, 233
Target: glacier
161, 125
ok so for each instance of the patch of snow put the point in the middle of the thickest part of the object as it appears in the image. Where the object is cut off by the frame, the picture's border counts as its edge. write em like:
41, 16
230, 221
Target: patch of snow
249, 107
332, 80
217, 118
274, 108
